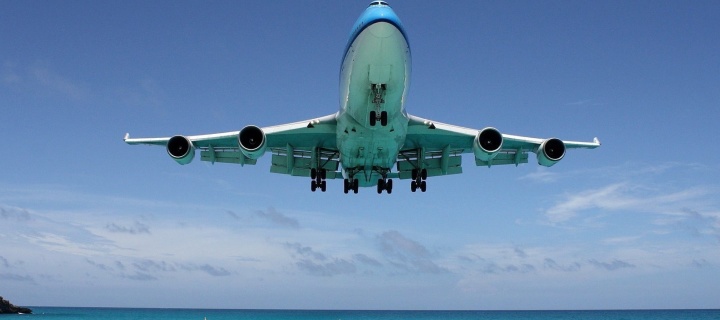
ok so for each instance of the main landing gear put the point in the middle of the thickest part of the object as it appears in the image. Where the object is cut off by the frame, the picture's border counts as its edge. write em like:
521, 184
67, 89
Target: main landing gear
384, 184
351, 184
318, 179
419, 177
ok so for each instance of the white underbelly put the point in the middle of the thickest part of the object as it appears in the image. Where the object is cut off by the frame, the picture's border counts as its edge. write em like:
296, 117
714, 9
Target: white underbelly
379, 55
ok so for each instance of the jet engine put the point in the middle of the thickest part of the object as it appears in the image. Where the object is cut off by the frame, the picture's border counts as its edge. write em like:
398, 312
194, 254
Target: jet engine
487, 144
181, 149
550, 152
252, 142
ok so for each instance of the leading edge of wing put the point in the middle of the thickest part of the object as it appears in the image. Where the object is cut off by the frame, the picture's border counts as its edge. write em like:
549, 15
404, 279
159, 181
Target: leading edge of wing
225, 139
278, 134
424, 131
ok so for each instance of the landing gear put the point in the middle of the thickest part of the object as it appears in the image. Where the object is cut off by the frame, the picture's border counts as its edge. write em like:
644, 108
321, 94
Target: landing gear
378, 92
318, 179
419, 177
384, 184
351, 184
374, 118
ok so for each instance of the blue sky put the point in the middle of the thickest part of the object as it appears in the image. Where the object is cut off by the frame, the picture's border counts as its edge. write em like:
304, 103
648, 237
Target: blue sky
633, 224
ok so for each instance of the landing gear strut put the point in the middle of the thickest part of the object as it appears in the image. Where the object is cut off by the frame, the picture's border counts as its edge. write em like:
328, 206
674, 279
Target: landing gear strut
378, 92
318, 179
419, 177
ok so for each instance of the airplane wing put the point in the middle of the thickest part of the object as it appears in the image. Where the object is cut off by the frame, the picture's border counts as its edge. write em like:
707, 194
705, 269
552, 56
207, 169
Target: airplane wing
437, 147
307, 141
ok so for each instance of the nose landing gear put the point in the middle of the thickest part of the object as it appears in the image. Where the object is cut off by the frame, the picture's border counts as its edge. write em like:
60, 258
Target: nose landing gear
378, 94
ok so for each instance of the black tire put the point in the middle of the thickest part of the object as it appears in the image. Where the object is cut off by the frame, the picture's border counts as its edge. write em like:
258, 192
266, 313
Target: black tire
313, 185
323, 174
373, 118
423, 186
414, 174
313, 173
346, 185
356, 185
383, 118
423, 174
323, 186
388, 186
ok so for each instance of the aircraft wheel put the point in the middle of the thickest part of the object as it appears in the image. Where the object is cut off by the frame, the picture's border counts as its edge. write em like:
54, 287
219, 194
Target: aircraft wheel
313, 173
313, 185
423, 173
373, 118
414, 174
323, 186
383, 118
413, 186
380, 186
346, 185
388, 186
323, 174
356, 185
423, 186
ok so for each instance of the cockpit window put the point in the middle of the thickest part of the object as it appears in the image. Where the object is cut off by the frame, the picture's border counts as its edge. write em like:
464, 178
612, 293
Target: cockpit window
379, 3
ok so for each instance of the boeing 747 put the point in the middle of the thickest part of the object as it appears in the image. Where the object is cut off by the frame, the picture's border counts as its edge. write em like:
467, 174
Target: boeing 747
371, 140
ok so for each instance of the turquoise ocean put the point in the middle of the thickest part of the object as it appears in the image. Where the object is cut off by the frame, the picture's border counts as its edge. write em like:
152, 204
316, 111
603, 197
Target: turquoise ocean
56, 313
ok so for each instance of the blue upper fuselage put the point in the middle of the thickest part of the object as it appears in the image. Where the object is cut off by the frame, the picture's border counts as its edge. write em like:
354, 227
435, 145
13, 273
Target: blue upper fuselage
378, 11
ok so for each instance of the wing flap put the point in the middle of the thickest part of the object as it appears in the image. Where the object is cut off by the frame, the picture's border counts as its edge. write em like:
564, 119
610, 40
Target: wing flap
503, 157
301, 162
436, 164
226, 156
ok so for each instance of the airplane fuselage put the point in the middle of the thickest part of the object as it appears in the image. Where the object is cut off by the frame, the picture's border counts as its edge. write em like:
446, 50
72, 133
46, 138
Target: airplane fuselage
374, 81
371, 138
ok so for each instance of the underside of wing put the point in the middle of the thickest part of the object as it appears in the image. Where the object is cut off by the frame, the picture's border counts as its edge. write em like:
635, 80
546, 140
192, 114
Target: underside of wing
303, 139
437, 147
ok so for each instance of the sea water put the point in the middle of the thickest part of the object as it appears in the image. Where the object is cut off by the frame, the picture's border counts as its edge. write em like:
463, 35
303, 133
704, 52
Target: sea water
56, 313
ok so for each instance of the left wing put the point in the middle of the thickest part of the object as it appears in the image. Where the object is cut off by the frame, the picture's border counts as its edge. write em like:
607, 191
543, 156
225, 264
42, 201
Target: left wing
437, 147
294, 146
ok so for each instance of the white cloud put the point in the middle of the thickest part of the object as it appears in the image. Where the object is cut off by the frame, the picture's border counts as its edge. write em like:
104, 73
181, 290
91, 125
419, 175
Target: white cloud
623, 197
542, 175
58, 83
278, 218
407, 254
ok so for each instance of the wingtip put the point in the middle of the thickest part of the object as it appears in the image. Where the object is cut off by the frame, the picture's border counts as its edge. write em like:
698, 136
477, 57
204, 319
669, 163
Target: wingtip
127, 136
597, 141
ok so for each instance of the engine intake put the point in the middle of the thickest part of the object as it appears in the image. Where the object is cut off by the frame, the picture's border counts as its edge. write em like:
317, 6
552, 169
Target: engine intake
181, 149
252, 142
550, 152
487, 144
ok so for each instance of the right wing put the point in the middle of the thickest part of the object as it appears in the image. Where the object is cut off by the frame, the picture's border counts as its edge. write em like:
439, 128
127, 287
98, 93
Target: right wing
308, 142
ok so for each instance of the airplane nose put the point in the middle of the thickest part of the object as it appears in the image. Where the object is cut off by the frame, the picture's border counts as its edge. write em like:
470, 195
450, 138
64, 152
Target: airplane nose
382, 29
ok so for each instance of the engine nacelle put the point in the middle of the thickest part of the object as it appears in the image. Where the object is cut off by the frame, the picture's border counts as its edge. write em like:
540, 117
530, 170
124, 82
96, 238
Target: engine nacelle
252, 142
550, 152
487, 144
181, 149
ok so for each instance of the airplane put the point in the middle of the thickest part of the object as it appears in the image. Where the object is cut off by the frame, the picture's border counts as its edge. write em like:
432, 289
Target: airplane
371, 139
